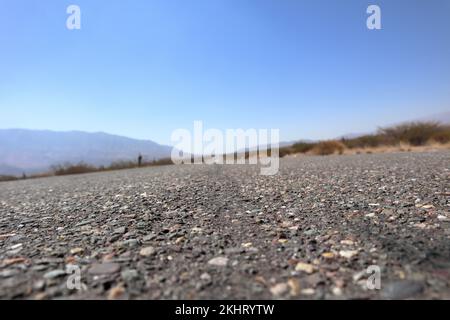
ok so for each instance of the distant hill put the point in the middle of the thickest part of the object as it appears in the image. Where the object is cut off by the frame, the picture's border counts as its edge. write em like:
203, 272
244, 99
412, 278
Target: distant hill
32, 151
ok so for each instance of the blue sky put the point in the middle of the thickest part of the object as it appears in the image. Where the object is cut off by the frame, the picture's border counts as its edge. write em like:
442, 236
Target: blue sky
142, 68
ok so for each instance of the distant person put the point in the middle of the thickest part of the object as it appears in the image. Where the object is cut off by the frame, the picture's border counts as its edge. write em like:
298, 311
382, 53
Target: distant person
139, 160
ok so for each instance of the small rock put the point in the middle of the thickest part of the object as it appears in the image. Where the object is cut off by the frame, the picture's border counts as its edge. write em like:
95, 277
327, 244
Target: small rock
120, 230
305, 267
359, 275
116, 292
294, 286
179, 240
16, 246
104, 268
337, 291
147, 251
76, 250
39, 285
218, 261
279, 289
348, 253
205, 277
129, 275
328, 255
402, 289
308, 291
131, 243
8, 273
149, 237
54, 274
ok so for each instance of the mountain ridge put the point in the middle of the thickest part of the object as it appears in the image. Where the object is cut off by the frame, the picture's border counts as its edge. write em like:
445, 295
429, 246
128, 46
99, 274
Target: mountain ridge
30, 151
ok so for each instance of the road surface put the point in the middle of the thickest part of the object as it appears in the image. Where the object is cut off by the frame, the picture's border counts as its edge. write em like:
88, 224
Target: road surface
227, 232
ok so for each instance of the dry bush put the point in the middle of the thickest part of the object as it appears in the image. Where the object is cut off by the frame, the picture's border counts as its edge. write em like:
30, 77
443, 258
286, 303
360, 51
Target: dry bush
282, 152
415, 133
7, 178
118, 165
60, 170
367, 141
162, 162
324, 148
303, 147
442, 137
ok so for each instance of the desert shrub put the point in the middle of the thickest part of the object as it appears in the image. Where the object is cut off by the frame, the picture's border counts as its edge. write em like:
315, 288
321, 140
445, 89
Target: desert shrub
163, 162
303, 147
282, 152
414, 133
443, 136
366, 141
118, 165
68, 168
7, 178
328, 147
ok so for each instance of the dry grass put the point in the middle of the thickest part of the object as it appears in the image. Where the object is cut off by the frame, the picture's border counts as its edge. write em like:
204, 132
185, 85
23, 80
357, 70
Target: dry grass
402, 147
80, 168
8, 178
65, 169
414, 136
325, 148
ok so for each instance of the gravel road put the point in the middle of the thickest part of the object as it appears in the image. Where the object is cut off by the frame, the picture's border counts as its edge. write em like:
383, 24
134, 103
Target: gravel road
226, 232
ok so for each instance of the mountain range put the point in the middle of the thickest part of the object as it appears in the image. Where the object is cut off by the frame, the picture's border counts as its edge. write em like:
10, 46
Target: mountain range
35, 151
31, 151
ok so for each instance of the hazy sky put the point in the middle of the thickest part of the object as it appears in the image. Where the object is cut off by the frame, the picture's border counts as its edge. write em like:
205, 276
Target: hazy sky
143, 68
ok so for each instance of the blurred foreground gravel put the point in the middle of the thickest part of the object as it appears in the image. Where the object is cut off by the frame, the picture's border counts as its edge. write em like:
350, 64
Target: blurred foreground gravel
226, 232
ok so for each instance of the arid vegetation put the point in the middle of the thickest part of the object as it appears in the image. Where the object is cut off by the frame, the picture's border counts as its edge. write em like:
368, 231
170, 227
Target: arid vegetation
403, 137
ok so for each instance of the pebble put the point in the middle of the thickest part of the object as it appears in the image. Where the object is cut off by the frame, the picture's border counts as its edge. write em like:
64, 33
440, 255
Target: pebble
402, 289
147, 251
55, 274
116, 292
129, 275
120, 230
76, 250
305, 267
279, 289
337, 291
104, 268
348, 253
308, 291
294, 286
328, 255
218, 261
205, 277
8, 273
